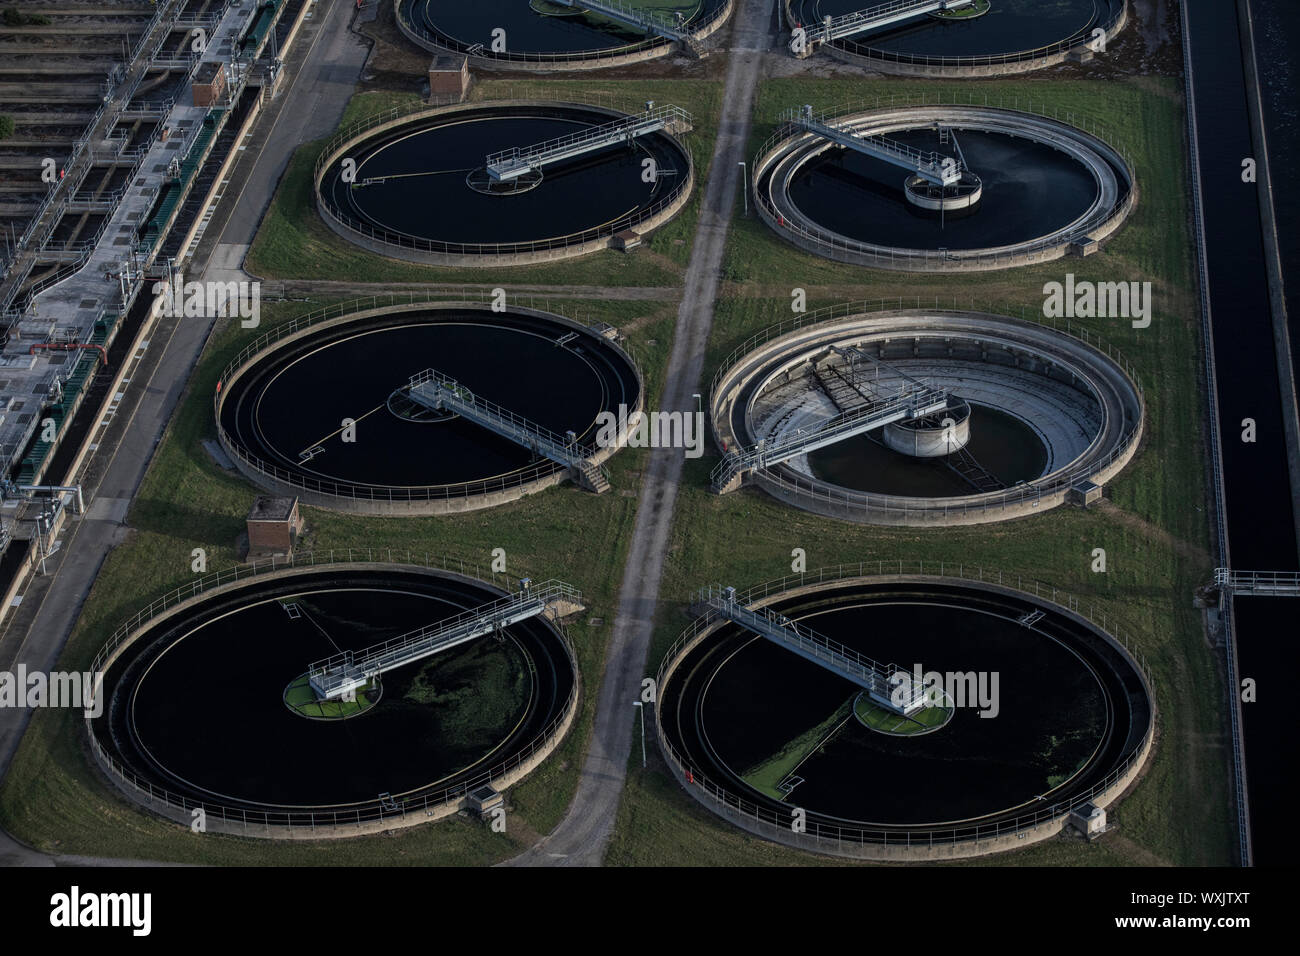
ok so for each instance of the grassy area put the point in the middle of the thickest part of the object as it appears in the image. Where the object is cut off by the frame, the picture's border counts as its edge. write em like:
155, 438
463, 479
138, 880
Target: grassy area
768, 775
1152, 526
55, 800
293, 242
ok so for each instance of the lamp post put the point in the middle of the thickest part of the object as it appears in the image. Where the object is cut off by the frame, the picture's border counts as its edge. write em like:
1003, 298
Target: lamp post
744, 184
637, 703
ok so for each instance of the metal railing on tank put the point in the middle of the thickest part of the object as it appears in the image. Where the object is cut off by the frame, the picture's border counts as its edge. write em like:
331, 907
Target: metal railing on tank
401, 240
816, 834
421, 35
363, 492
867, 253
352, 815
866, 503
1048, 51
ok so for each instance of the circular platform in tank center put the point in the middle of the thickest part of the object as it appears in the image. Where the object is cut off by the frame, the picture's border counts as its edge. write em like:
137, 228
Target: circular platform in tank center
328, 409
1034, 718
432, 187
539, 32
267, 744
1019, 414
985, 34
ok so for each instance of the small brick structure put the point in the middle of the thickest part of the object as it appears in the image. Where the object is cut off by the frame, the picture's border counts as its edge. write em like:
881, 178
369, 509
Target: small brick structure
448, 76
627, 240
209, 84
274, 525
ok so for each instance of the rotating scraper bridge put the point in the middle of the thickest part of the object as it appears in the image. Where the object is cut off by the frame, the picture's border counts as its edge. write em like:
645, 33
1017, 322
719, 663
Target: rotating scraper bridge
866, 407
344, 674
872, 18
510, 164
878, 680
803, 137
435, 391
862, 366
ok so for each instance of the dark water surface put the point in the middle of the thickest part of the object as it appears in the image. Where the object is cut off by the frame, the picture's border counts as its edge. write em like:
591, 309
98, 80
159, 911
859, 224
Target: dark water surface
297, 399
1008, 27
417, 182
1030, 190
207, 714
1002, 443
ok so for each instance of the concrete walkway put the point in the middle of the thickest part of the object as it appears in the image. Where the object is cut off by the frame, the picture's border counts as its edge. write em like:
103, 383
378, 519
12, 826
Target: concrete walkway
313, 106
583, 834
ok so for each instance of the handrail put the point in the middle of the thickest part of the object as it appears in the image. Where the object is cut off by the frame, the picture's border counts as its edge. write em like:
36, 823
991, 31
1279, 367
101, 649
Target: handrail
358, 491
816, 835
418, 32
1060, 47
356, 814
556, 447
868, 253
403, 240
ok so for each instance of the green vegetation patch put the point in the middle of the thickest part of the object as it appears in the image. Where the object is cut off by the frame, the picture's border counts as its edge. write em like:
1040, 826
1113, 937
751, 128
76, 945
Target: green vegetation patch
772, 772
301, 699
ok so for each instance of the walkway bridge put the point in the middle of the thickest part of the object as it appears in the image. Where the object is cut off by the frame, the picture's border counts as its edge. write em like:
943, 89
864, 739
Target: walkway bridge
1258, 583
853, 390
912, 400
931, 166
436, 391
652, 22
346, 673
874, 18
518, 161
881, 681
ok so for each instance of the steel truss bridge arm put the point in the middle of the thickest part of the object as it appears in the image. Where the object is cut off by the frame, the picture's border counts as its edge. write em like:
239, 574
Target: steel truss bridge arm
511, 163
931, 166
912, 401
347, 672
881, 15
879, 680
651, 21
1259, 583
434, 390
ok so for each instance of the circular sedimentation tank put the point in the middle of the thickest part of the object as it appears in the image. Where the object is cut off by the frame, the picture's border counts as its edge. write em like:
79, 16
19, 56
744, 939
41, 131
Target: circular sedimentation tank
1033, 414
987, 38
284, 405
1038, 719
416, 186
542, 35
196, 710
1032, 189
